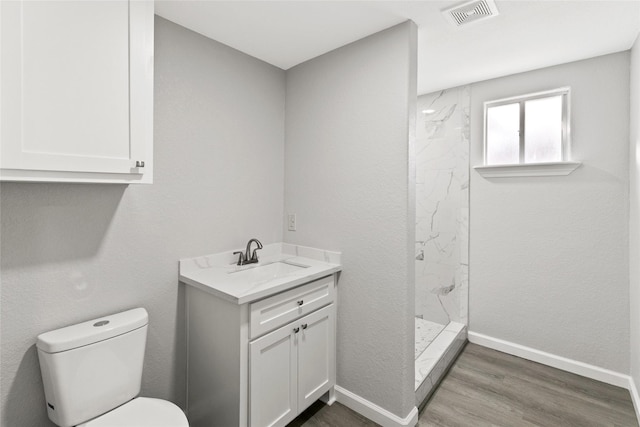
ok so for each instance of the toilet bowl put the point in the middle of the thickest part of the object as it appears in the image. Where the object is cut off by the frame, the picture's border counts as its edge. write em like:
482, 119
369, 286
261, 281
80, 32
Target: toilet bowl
92, 374
141, 412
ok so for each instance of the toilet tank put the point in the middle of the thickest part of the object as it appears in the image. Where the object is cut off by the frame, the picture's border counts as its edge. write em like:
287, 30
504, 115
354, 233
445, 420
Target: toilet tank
92, 367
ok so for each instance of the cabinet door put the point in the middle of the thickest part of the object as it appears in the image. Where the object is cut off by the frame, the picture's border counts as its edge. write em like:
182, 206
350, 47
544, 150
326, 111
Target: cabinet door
273, 364
316, 355
76, 87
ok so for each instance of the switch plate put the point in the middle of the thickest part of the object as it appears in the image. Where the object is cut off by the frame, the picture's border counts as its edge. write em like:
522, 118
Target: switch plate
292, 222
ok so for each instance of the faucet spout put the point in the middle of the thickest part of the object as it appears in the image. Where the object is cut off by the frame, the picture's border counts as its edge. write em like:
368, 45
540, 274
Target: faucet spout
249, 257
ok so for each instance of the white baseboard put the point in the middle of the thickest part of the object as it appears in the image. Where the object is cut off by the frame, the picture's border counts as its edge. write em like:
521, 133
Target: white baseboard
559, 362
374, 412
635, 397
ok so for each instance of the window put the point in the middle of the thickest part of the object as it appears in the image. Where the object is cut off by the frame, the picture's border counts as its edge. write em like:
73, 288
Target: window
527, 129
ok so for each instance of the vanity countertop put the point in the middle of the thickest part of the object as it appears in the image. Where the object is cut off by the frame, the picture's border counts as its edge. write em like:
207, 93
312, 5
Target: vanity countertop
282, 266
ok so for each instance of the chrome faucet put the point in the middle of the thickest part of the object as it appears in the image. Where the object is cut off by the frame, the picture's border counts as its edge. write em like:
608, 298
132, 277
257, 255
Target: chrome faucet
248, 257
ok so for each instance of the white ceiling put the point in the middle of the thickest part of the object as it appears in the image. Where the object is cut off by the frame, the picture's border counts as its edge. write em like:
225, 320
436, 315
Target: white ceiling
525, 36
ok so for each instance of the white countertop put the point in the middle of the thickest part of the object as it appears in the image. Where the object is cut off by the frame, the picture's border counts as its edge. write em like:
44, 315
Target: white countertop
219, 275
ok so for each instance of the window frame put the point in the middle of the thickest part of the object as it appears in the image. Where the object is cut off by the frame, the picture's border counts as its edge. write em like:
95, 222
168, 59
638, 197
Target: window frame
565, 92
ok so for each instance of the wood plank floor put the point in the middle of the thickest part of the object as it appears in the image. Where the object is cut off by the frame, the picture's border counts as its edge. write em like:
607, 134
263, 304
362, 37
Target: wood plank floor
336, 415
488, 388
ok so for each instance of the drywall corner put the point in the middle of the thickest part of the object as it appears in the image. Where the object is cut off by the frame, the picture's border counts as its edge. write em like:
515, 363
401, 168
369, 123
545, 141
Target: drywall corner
348, 118
634, 221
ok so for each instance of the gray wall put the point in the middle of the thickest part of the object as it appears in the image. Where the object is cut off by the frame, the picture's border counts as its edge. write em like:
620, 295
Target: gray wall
346, 177
634, 217
75, 252
549, 255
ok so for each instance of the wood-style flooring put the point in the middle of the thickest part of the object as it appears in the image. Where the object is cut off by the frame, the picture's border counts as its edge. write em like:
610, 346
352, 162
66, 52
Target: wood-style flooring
336, 415
488, 388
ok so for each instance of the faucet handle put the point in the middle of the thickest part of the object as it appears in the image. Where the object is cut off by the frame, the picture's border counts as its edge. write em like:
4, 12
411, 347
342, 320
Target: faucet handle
240, 258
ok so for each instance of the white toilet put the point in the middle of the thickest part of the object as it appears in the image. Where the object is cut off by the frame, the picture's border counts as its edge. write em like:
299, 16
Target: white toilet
92, 373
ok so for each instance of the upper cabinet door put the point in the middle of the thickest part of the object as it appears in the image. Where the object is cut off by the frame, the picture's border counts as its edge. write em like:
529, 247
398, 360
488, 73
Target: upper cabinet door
76, 91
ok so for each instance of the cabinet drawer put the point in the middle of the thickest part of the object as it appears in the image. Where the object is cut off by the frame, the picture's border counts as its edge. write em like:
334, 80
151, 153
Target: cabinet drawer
273, 312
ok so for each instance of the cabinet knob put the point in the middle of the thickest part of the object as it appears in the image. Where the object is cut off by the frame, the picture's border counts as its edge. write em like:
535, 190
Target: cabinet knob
296, 330
304, 326
300, 302
139, 163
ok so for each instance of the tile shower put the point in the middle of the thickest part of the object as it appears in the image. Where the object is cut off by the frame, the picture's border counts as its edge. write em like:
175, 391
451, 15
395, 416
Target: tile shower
442, 237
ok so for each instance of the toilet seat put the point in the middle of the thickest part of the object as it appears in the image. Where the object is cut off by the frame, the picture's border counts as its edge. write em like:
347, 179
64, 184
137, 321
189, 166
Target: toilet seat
142, 412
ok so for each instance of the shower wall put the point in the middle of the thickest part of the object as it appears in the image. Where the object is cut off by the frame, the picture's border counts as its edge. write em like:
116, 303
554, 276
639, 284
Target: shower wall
442, 206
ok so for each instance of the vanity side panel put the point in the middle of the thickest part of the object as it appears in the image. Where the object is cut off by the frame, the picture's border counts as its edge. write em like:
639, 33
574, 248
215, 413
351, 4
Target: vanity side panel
217, 361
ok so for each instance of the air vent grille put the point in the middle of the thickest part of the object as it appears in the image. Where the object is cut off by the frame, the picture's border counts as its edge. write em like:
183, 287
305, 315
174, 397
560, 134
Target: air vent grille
472, 11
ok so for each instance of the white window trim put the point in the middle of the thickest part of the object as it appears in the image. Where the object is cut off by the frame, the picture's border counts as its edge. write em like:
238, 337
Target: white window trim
563, 167
527, 169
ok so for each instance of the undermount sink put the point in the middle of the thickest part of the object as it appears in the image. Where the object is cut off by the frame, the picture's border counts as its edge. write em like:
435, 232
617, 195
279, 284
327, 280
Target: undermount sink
260, 273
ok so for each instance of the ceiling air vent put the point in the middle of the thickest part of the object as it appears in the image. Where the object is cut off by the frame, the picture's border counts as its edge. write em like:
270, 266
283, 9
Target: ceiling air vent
472, 11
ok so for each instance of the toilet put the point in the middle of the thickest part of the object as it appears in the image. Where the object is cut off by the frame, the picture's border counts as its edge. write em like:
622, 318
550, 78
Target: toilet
92, 373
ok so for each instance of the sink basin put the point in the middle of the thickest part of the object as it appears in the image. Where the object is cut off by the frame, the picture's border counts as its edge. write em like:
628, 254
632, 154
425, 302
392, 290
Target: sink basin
261, 273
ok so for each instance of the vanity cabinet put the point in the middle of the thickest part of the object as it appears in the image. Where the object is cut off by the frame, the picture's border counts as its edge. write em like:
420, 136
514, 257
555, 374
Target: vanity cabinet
263, 362
291, 368
76, 91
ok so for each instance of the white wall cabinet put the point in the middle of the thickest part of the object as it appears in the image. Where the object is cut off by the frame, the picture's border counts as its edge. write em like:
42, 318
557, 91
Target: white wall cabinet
261, 363
76, 91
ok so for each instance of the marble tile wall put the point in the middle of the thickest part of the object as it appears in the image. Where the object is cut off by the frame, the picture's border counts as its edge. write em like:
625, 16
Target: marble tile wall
442, 206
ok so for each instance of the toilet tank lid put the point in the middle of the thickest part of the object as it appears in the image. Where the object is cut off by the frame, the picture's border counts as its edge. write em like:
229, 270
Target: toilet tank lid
92, 331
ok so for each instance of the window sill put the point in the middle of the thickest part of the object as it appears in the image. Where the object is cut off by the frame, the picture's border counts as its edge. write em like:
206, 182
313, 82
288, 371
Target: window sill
528, 169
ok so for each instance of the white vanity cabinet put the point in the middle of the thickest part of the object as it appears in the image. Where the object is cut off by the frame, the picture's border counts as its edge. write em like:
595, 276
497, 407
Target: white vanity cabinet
76, 91
263, 362
291, 368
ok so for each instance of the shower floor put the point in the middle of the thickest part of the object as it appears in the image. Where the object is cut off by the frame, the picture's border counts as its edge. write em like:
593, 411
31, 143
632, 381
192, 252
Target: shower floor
426, 332
440, 352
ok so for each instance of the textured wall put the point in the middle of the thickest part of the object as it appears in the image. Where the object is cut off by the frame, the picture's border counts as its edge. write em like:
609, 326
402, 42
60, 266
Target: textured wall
442, 206
74, 252
549, 255
634, 217
347, 165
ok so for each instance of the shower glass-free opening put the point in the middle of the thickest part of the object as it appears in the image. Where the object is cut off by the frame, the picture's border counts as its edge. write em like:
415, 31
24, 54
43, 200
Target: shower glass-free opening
442, 233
